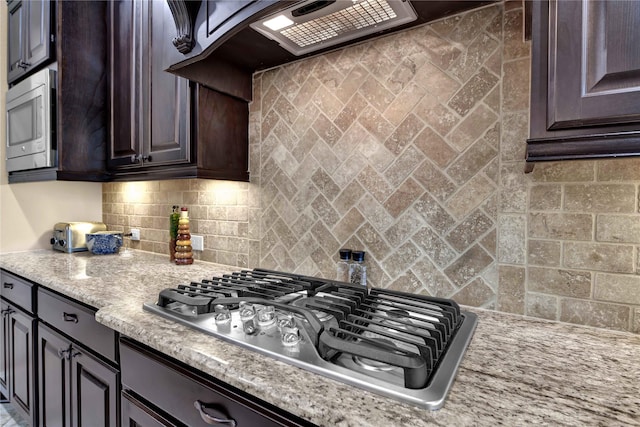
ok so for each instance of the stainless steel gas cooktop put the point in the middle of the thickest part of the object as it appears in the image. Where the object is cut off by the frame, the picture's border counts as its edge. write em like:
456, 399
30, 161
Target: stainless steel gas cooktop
404, 346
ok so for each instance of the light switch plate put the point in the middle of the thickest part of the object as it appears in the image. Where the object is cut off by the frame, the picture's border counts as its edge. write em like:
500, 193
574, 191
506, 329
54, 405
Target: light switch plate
197, 242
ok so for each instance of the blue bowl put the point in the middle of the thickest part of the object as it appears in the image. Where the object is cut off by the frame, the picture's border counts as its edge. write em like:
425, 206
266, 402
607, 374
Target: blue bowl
104, 242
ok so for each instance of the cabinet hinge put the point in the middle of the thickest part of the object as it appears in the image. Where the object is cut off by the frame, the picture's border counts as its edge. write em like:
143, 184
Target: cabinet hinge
53, 38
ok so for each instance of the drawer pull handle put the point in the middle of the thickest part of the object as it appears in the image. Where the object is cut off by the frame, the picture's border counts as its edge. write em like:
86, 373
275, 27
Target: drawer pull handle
217, 418
70, 317
7, 285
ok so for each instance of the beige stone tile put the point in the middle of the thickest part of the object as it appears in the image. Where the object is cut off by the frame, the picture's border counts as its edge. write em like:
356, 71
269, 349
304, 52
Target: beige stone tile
599, 257
545, 197
349, 197
436, 115
349, 169
472, 127
399, 261
404, 103
350, 112
469, 196
348, 225
325, 184
600, 197
403, 197
325, 155
374, 212
542, 306
356, 77
434, 181
561, 282
408, 282
435, 282
511, 289
323, 210
326, 130
514, 45
403, 166
618, 228
434, 214
469, 265
544, 253
512, 230
473, 91
471, 162
436, 82
376, 62
515, 85
574, 171
435, 247
373, 241
445, 26
472, 24
434, 147
623, 169
285, 110
600, 315
404, 227
515, 131
404, 134
327, 73
474, 57
561, 226
377, 125
475, 294
490, 242
375, 184
469, 231
624, 289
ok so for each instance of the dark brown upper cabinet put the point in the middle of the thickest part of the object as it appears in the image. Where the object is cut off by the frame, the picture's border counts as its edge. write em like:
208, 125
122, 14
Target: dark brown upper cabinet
82, 96
163, 126
585, 81
31, 37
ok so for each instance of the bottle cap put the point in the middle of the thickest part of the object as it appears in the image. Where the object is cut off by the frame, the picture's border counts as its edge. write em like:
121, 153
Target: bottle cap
184, 213
345, 253
357, 255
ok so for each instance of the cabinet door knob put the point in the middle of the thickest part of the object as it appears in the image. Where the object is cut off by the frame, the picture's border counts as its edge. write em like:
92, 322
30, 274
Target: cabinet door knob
216, 417
70, 317
7, 285
63, 353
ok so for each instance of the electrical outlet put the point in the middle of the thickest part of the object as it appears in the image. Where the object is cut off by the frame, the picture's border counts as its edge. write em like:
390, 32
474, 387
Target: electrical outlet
135, 234
197, 242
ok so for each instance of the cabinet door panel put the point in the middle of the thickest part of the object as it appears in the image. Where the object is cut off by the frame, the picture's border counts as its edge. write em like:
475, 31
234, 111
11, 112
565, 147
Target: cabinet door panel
94, 392
594, 63
15, 50
38, 32
54, 378
125, 18
166, 95
21, 380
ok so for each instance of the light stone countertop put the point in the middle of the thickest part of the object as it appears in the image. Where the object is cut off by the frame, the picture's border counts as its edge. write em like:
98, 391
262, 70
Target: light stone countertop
516, 371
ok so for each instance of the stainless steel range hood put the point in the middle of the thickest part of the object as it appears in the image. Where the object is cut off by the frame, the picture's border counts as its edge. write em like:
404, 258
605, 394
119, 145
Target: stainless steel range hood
318, 24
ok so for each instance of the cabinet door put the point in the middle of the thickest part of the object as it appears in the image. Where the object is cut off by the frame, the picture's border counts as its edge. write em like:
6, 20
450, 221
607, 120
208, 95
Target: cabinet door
166, 96
53, 368
21, 377
37, 33
94, 391
149, 118
15, 49
585, 80
125, 59
594, 63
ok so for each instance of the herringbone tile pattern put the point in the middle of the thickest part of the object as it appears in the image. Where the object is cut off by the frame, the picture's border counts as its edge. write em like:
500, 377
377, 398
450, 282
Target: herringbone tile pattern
391, 147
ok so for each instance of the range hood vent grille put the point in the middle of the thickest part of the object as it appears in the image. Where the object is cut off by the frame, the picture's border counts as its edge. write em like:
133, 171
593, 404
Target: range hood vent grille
333, 23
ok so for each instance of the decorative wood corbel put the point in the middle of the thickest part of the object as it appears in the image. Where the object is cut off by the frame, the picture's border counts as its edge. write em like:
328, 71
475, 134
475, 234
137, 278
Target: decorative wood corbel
184, 15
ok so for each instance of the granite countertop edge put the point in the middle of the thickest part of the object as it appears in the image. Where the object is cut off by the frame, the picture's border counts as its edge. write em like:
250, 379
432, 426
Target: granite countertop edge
516, 370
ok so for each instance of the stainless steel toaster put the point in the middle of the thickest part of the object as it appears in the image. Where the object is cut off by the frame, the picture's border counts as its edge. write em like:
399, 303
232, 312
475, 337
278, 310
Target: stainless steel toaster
70, 236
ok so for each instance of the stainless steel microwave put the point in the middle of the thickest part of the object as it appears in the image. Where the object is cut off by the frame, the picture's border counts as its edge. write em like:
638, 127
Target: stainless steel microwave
31, 112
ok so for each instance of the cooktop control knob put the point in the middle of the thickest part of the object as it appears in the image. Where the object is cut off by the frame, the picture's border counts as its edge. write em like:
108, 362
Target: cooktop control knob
62, 243
53, 241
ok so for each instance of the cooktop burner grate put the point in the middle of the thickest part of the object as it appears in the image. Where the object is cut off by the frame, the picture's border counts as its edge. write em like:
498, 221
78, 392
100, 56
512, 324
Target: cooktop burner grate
401, 345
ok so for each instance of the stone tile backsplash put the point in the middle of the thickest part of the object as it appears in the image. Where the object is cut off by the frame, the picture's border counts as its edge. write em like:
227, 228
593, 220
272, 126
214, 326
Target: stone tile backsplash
411, 147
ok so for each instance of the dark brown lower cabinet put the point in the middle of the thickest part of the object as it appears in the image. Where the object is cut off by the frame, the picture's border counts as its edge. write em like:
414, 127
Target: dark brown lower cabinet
76, 388
17, 379
157, 389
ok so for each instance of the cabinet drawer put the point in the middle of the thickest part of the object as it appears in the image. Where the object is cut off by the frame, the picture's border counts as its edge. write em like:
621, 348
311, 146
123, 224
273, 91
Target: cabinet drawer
78, 322
17, 290
176, 389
